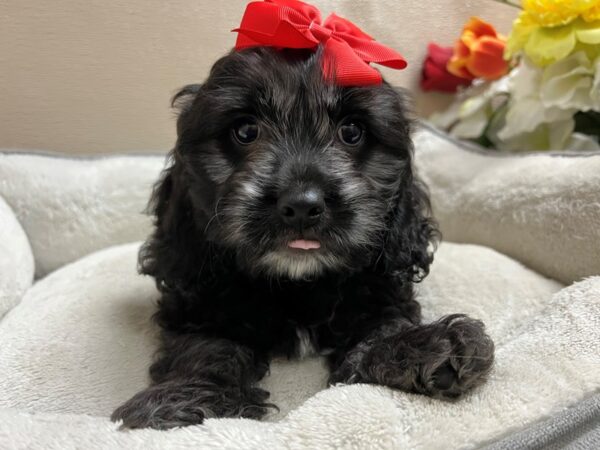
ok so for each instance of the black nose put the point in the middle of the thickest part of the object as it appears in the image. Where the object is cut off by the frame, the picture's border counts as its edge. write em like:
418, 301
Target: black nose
301, 208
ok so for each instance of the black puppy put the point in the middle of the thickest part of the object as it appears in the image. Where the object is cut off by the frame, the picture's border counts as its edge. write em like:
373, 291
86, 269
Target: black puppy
290, 221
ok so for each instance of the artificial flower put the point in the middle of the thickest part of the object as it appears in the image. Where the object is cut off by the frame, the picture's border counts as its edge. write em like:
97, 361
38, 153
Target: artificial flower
550, 30
544, 137
474, 115
549, 136
435, 75
469, 116
551, 99
479, 53
549, 95
569, 84
552, 13
526, 109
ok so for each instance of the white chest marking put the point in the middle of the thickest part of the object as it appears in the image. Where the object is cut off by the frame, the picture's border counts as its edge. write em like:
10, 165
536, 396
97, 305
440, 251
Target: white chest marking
304, 346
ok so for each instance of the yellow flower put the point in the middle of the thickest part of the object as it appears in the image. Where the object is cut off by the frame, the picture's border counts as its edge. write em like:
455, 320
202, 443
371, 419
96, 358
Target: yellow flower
592, 14
550, 30
552, 13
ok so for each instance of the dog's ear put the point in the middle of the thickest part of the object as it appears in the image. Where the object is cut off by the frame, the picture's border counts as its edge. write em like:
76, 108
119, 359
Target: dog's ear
182, 103
184, 98
169, 243
412, 233
170, 254
169, 194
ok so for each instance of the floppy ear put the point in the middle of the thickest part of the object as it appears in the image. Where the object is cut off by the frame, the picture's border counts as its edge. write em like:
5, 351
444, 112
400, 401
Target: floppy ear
184, 98
172, 249
182, 103
412, 234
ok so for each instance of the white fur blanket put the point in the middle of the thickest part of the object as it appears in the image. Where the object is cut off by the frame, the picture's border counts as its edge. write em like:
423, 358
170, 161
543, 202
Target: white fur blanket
79, 341
542, 209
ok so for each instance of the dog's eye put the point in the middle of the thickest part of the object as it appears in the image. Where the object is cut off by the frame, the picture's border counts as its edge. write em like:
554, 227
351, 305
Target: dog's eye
245, 131
351, 133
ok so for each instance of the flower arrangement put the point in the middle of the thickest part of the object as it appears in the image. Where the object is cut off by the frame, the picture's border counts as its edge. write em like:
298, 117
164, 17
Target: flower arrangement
536, 89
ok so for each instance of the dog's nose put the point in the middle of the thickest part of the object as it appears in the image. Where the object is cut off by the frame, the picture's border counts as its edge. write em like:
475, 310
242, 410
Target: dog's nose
301, 208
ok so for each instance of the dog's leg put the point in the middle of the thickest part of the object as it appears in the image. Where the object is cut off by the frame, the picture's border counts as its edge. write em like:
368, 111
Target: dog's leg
442, 359
195, 378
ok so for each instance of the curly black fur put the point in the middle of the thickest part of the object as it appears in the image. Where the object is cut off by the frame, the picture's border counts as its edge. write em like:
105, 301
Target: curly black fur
234, 294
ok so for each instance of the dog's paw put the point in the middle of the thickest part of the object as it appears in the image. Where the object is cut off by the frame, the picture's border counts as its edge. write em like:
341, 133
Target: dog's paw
443, 359
161, 407
347, 372
169, 405
470, 360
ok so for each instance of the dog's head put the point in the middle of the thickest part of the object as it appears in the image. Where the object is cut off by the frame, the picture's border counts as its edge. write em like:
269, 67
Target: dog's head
292, 175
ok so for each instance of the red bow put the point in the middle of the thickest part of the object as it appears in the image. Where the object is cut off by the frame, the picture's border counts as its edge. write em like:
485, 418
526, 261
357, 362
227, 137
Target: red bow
295, 24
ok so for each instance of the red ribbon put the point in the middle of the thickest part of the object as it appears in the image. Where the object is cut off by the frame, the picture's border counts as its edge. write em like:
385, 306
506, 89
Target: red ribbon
295, 24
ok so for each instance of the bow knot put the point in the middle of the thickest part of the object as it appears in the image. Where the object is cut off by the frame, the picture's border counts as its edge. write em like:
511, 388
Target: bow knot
348, 50
319, 32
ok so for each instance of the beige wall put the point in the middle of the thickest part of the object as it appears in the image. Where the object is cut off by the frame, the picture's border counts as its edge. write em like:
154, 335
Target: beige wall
90, 76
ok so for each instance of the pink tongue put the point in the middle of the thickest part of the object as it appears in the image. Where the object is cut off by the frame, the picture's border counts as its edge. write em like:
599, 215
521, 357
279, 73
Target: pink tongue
304, 244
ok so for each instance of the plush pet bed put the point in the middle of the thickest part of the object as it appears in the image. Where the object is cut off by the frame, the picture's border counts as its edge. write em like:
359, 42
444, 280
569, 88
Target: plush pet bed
76, 337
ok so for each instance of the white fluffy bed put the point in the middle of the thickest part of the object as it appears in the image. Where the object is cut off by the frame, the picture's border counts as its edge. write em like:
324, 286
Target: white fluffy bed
77, 341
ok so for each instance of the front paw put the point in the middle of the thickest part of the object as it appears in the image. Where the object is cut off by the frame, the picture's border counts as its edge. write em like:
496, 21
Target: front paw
169, 405
443, 359
162, 406
347, 371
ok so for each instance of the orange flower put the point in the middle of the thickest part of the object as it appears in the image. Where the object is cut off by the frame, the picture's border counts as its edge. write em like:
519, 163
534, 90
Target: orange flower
479, 53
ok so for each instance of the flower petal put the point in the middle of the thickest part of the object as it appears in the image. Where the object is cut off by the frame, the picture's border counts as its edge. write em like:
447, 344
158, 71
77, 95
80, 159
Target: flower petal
473, 126
486, 59
437, 78
545, 137
526, 111
547, 45
461, 50
588, 33
560, 133
552, 13
592, 14
439, 55
523, 26
457, 67
523, 116
525, 79
435, 75
567, 83
480, 28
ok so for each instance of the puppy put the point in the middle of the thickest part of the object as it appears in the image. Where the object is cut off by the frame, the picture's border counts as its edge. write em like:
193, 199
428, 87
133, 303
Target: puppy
290, 220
